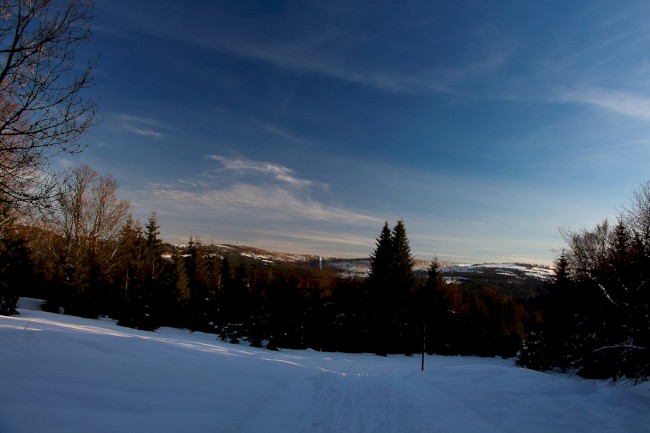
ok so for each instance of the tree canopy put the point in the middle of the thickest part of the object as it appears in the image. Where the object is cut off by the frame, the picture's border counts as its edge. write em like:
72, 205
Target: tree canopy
43, 111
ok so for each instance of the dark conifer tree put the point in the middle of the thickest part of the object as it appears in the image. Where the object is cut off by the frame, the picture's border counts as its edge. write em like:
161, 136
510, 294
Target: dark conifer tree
183, 294
16, 270
402, 268
154, 247
238, 298
226, 290
137, 311
349, 330
393, 328
226, 274
234, 324
203, 316
402, 285
256, 307
125, 270
213, 285
433, 310
285, 307
381, 306
382, 259
548, 347
596, 315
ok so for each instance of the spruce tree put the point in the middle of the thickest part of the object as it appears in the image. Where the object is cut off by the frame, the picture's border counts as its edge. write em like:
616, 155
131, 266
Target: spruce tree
390, 285
225, 275
203, 317
379, 291
137, 311
595, 314
183, 294
16, 270
434, 275
433, 309
381, 260
155, 247
213, 284
402, 261
547, 347
402, 285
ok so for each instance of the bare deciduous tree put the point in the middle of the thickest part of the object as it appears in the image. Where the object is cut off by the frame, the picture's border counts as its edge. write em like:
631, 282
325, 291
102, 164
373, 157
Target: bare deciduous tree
637, 214
89, 218
587, 248
42, 111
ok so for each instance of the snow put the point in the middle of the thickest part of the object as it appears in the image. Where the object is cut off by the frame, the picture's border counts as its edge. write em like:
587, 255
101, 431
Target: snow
512, 269
68, 374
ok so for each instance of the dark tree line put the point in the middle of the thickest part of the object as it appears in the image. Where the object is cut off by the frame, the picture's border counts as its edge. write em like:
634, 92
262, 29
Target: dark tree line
596, 312
199, 287
408, 314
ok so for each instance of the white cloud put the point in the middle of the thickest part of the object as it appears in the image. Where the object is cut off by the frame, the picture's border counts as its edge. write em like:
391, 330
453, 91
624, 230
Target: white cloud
250, 190
280, 132
333, 242
338, 50
272, 170
623, 103
140, 125
303, 58
241, 199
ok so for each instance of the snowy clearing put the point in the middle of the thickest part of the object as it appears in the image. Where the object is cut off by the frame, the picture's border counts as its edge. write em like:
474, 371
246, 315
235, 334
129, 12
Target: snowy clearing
68, 374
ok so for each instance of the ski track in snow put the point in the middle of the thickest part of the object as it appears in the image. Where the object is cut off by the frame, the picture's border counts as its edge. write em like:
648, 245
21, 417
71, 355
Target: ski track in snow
332, 402
358, 402
72, 375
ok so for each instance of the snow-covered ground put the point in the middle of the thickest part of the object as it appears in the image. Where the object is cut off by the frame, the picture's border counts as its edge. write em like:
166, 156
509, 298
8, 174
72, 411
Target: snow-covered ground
534, 271
67, 374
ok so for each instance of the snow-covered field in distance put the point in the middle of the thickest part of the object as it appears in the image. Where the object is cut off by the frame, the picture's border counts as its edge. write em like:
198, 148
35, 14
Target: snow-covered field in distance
68, 374
360, 267
512, 269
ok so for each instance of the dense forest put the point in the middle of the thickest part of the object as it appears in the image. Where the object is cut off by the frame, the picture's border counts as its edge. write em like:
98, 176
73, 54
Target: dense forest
90, 258
85, 255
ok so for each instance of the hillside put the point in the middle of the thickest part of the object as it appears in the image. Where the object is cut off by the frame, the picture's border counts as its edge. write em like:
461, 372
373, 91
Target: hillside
67, 374
518, 280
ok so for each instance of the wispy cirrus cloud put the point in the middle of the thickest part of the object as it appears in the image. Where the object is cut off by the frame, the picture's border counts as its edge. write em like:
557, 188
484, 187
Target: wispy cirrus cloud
140, 125
249, 201
336, 47
624, 103
281, 132
247, 189
304, 58
266, 169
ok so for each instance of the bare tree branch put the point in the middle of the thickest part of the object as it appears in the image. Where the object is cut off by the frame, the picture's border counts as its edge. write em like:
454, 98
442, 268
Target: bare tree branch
88, 218
42, 110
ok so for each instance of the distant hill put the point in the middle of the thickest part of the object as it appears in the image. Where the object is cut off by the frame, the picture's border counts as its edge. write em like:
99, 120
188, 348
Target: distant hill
518, 280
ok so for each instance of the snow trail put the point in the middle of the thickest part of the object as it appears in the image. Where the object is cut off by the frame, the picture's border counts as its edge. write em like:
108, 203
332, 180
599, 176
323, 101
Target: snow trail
360, 402
72, 375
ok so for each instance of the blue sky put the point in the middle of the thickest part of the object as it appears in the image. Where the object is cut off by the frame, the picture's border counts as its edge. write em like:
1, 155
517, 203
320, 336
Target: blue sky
303, 126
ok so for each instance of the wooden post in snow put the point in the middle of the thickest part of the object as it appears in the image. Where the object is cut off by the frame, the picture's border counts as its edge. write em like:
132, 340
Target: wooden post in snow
424, 342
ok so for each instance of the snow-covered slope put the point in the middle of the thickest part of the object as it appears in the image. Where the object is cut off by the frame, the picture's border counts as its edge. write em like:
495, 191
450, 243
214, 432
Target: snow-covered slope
511, 269
67, 374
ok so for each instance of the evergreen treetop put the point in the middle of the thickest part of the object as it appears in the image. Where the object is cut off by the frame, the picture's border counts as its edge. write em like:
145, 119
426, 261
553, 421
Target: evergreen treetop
403, 261
382, 259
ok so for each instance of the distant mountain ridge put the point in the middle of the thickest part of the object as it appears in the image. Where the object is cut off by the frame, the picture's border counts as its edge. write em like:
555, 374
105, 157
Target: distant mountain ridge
520, 280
